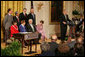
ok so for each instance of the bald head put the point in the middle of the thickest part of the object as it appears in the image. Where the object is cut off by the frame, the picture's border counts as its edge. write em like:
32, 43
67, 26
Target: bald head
54, 38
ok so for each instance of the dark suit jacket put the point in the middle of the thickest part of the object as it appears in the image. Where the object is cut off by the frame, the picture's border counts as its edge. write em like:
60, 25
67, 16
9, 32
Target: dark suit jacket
23, 17
53, 47
29, 29
15, 19
62, 18
78, 26
22, 29
30, 16
7, 21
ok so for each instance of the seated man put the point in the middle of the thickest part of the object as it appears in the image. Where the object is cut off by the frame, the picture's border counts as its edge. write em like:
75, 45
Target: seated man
53, 44
31, 28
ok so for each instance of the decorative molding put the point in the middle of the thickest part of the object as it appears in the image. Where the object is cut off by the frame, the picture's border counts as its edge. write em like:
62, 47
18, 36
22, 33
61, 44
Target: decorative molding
39, 5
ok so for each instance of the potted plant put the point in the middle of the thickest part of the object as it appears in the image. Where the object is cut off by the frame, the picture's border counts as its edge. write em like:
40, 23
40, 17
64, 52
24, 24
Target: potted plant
75, 13
12, 50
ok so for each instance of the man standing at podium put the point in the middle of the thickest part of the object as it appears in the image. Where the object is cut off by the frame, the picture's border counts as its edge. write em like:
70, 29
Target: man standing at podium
63, 24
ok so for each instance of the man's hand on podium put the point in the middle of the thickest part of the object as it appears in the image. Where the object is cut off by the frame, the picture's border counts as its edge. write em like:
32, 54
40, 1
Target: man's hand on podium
64, 22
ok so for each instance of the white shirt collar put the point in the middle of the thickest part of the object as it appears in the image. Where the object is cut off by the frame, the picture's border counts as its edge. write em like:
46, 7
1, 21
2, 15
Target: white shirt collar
30, 24
17, 16
22, 25
24, 13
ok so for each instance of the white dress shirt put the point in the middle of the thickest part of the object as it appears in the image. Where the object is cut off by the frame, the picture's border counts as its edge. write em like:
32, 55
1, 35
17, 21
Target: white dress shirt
32, 27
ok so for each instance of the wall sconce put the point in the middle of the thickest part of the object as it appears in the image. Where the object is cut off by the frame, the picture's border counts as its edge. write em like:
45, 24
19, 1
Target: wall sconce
39, 5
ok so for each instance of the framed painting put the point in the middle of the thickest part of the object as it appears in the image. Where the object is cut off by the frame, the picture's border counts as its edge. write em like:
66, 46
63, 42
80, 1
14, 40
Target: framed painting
56, 8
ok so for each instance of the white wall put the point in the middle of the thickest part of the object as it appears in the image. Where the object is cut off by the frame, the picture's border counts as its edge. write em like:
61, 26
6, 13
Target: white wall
27, 5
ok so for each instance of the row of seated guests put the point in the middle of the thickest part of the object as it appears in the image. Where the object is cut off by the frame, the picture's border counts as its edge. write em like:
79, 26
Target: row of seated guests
73, 47
28, 28
30, 23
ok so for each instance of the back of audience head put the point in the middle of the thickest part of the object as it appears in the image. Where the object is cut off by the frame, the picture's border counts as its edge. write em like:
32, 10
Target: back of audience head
54, 38
45, 46
80, 40
78, 47
63, 48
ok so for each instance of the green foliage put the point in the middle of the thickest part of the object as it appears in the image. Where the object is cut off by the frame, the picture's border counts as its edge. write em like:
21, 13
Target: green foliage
12, 50
75, 12
66, 38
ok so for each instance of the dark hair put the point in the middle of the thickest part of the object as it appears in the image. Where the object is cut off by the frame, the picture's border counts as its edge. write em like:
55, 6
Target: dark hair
63, 48
79, 48
42, 21
24, 9
45, 46
9, 10
16, 12
23, 21
14, 22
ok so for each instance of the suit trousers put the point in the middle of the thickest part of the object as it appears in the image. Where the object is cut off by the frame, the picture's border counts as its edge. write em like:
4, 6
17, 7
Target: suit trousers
7, 35
63, 32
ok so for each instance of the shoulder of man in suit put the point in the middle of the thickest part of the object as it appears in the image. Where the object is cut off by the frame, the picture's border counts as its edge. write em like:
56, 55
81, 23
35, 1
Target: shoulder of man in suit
21, 13
6, 15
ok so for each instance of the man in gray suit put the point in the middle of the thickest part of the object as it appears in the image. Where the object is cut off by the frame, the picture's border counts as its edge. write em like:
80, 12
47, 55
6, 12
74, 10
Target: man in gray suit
7, 24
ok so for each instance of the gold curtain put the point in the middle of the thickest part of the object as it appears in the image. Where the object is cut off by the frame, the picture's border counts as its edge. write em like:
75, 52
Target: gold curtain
5, 5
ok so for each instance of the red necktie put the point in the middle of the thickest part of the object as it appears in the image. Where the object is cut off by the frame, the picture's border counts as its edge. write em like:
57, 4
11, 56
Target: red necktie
25, 14
18, 19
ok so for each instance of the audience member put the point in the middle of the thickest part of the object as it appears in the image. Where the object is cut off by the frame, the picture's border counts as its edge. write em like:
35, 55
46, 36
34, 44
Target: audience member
79, 49
64, 50
45, 47
53, 44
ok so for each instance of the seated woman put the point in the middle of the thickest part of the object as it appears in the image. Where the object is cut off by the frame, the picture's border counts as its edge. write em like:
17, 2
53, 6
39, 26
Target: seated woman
39, 28
22, 27
14, 28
